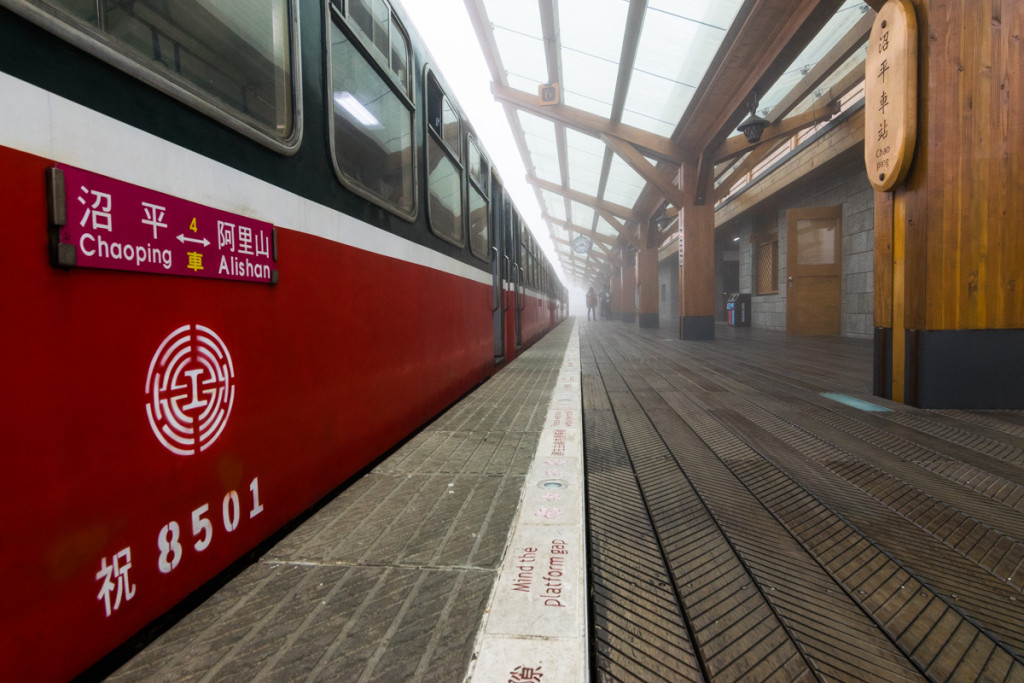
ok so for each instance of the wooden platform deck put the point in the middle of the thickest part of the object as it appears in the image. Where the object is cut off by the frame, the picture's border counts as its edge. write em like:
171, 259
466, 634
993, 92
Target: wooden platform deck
744, 525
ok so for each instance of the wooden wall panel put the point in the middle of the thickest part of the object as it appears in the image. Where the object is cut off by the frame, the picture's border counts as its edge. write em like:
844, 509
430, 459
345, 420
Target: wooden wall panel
969, 186
883, 259
1008, 91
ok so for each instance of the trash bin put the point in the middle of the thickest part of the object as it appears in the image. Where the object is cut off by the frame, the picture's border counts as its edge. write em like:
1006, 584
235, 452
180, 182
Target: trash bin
737, 310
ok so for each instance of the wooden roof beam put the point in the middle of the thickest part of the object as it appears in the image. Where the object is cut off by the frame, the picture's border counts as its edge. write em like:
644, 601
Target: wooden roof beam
485, 36
609, 255
605, 243
623, 230
587, 232
833, 59
738, 145
579, 273
572, 257
553, 58
594, 202
761, 153
758, 49
670, 229
646, 169
834, 94
586, 266
591, 124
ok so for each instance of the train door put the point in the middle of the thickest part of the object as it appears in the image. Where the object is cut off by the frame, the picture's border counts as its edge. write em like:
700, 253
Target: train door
516, 276
499, 219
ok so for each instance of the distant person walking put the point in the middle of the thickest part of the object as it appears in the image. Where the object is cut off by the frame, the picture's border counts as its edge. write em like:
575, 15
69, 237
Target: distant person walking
591, 304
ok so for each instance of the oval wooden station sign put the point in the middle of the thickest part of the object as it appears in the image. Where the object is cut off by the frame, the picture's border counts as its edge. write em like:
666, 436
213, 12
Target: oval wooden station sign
890, 95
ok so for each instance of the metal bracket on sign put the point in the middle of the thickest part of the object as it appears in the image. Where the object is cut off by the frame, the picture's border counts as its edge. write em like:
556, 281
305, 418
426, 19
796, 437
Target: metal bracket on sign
61, 255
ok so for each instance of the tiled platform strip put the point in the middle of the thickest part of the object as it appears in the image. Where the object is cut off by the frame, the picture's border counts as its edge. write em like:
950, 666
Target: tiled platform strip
536, 628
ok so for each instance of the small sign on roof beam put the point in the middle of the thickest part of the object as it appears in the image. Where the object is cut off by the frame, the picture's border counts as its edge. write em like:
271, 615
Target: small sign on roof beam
549, 94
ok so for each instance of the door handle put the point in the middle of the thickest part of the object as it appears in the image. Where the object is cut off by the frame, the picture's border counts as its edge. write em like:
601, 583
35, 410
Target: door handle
496, 281
789, 281
507, 275
521, 290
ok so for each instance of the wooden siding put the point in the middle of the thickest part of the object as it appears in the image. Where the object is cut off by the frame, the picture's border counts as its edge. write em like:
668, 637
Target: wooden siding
965, 197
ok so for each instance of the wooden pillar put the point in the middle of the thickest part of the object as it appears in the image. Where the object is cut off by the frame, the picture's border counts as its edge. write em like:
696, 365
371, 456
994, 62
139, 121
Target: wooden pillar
949, 241
628, 314
647, 269
616, 289
696, 261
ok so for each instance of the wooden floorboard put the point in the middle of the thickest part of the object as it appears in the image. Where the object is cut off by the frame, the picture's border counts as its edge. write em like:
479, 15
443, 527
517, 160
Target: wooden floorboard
804, 538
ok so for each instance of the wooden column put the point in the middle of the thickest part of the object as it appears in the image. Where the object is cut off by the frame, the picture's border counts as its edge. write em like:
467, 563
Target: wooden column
949, 241
628, 314
647, 268
696, 261
616, 289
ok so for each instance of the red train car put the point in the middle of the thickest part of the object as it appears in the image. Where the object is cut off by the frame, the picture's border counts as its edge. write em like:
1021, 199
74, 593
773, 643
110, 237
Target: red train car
248, 248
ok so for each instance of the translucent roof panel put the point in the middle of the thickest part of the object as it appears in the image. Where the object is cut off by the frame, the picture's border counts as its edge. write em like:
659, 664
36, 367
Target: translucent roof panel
588, 82
844, 19
591, 40
540, 138
854, 62
649, 101
605, 228
521, 17
522, 57
582, 215
678, 42
592, 26
586, 156
554, 205
624, 184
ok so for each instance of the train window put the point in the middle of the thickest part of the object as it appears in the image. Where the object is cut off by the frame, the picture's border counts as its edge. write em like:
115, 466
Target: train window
383, 35
372, 17
443, 167
442, 117
479, 241
232, 61
526, 262
478, 171
372, 109
478, 233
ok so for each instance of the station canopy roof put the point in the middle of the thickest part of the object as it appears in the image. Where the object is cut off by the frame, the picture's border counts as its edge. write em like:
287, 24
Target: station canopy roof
643, 86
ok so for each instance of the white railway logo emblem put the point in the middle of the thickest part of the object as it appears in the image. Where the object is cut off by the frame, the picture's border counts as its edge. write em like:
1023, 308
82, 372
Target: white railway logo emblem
190, 389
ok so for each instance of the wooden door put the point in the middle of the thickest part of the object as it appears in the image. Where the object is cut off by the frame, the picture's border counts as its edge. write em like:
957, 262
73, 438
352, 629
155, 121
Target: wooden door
814, 251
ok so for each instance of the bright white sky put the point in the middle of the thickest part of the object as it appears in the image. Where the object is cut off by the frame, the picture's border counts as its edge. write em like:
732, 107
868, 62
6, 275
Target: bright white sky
445, 28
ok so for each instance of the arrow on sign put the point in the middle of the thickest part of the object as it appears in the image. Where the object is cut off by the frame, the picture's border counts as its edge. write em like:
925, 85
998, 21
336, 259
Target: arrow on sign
205, 242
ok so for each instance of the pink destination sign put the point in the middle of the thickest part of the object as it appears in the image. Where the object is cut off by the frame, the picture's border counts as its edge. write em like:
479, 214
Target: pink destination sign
119, 226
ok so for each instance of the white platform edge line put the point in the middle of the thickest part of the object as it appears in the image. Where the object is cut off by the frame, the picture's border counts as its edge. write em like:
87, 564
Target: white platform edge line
576, 648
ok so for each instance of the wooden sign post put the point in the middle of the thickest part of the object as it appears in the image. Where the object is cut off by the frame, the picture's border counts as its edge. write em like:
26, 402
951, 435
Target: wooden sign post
890, 95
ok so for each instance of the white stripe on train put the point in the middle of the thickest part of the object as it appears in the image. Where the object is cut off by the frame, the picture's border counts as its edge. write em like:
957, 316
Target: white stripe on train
46, 125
